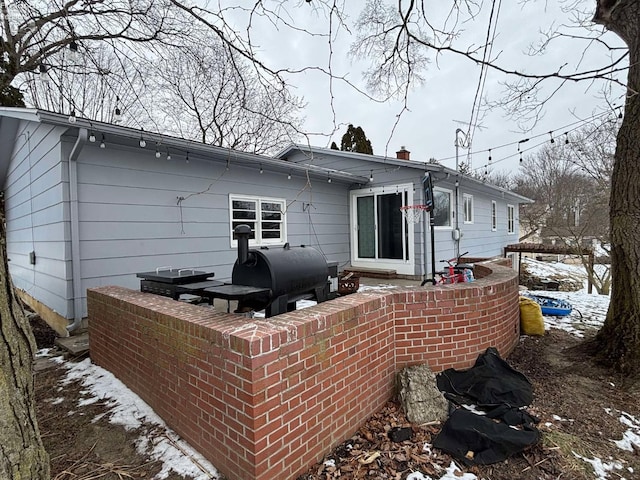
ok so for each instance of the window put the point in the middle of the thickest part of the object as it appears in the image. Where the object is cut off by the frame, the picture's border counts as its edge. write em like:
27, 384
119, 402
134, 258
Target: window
494, 216
442, 212
265, 216
511, 219
467, 202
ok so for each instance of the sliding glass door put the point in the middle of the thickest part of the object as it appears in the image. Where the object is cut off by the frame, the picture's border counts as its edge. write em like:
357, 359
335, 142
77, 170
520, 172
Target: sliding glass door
381, 236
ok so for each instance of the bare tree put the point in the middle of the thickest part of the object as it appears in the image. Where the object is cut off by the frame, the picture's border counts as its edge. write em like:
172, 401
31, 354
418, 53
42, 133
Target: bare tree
570, 183
208, 96
396, 33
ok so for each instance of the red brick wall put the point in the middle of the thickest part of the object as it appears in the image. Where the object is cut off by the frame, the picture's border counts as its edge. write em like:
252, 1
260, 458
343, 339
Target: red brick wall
264, 399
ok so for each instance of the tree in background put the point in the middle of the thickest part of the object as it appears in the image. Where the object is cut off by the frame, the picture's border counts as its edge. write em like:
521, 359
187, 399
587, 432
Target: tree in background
398, 40
207, 96
334, 146
570, 183
355, 140
163, 67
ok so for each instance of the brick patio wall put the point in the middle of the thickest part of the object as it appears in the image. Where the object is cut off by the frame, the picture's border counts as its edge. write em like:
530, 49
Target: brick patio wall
265, 399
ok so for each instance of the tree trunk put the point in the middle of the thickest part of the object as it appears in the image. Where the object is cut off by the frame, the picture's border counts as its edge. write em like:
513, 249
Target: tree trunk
618, 341
22, 455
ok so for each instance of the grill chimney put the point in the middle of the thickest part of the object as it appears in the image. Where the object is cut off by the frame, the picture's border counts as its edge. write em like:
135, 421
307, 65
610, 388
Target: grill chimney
243, 232
403, 154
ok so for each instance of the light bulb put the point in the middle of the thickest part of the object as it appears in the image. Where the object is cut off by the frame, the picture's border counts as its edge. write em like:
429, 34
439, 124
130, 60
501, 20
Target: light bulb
73, 49
92, 137
117, 117
102, 144
157, 153
329, 179
289, 176
143, 143
168, 155
371, 176
72, 117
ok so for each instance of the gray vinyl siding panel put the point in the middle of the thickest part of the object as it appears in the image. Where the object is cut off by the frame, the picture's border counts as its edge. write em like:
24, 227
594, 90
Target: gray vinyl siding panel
37, 219
131, 219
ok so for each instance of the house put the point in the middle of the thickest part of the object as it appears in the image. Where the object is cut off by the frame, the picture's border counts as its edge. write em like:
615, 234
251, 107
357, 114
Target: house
471, 218
89, 204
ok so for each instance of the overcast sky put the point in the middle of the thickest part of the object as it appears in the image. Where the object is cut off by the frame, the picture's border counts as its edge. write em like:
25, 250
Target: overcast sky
443, 103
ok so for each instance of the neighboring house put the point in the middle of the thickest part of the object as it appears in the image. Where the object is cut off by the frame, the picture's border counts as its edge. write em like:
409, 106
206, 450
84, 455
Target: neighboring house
90, 204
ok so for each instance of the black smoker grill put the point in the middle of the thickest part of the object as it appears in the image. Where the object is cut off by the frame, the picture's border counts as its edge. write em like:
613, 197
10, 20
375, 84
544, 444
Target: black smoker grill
290, 274
273, 279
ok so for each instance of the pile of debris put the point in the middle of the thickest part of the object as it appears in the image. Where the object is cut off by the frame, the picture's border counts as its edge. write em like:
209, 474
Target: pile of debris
471, 418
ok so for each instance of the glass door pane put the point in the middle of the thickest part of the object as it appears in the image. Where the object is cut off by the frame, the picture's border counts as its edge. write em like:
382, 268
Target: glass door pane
366, 227
390, 223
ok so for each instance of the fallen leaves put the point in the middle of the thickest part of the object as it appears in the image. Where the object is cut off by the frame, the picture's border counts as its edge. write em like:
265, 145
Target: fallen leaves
371, 452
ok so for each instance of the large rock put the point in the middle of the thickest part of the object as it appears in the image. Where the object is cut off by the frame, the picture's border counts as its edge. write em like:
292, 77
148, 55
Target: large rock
419, 395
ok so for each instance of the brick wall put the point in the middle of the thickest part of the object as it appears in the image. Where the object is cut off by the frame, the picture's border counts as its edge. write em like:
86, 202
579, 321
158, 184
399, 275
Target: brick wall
264, 399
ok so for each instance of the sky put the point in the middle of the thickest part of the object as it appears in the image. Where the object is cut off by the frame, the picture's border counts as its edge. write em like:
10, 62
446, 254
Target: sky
444, 102
127, 409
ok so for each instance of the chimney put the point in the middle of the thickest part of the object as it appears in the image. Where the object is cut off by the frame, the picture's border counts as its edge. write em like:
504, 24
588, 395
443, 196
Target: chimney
403, 154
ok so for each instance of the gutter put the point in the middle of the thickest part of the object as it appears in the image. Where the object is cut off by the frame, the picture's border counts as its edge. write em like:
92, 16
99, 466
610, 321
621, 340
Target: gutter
76, 279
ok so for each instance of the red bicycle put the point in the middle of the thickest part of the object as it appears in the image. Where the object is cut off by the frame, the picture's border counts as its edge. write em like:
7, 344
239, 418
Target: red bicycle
456, 272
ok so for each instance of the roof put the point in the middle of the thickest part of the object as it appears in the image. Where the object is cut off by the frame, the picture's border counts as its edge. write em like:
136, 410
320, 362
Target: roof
312, 151
10, 118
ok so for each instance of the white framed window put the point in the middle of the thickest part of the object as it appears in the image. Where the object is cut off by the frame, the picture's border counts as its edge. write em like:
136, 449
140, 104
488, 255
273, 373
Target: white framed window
511, 219
442, 207
265, 216
494, 216
467, 203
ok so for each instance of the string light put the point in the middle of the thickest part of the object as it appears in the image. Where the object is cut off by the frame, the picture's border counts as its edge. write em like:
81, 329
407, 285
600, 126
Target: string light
92, 137
328, 178
489, 156
73, 49
551, 135
158, 152
371, 176
186, 160
142, 142
117, 112
72, 117
566, 140
102, 144
168, 154
289, 176
44, 76
261, 169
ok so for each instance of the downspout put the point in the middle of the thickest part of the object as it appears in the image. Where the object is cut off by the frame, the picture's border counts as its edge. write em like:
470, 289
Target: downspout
76, 279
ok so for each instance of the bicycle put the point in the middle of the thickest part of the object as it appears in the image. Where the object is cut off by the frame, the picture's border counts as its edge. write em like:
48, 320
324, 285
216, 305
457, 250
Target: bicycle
456, 272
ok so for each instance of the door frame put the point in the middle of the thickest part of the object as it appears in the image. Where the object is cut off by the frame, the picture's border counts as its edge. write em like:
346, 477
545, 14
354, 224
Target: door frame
403, 267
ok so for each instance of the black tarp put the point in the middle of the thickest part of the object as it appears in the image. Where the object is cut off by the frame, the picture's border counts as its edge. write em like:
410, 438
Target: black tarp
501, 392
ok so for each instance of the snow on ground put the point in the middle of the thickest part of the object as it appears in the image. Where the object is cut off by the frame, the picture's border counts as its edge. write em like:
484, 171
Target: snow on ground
128, 410
131, 412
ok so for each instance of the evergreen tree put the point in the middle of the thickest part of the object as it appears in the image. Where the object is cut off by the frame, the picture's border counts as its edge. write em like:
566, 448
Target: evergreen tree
334, 146
355, 140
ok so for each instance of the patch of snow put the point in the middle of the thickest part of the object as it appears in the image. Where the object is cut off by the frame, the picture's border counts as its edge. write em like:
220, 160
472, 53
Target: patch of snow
131, 412
330, 463
632, 436
452, 473
601, 468
56, 401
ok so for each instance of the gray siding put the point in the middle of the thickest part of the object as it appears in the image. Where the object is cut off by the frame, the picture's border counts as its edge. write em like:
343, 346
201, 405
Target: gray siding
37, 218
130, 219
477, 237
